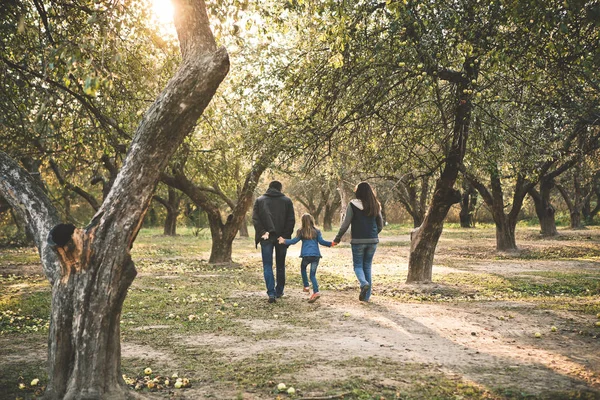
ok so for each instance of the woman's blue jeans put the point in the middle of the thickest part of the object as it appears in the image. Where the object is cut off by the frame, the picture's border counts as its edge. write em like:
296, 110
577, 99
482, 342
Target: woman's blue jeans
362, 258
314, 263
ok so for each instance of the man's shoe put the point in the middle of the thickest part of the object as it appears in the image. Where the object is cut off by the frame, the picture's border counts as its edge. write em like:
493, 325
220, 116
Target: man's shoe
314, 297
306, 289
272, 300
279, 296
363, 292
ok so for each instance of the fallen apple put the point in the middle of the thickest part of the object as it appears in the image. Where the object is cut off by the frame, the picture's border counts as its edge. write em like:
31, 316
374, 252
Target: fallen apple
538, 335
178, 385
291, 390
35, 382
281, 387
21, 386
553, 329
147, 371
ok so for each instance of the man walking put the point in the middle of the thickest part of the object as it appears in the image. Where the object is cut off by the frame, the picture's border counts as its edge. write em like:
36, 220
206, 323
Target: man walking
273, 216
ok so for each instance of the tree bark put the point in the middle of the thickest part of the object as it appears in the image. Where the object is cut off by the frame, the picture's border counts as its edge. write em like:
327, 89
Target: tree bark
425, 238
505, 223
171, 205
505, 234
90, 269
543, 208
575, 203
244, 228
467, 205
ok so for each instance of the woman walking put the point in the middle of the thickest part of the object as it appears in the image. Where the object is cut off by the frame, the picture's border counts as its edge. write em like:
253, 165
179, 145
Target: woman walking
364, 214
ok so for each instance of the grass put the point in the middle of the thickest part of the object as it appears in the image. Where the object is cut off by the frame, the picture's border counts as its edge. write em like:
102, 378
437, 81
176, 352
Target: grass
183, 310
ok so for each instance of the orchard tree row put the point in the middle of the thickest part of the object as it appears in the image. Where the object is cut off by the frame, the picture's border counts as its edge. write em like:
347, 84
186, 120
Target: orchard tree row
438, 102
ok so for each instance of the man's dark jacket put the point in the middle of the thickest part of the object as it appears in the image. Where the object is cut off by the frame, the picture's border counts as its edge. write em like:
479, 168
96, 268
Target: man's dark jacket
274, 213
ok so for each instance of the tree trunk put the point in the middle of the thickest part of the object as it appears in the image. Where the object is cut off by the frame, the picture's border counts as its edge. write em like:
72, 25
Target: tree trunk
576, 203
543, 209
505, 234
414, 203
467, 205
172, 207
221, 250
91, 269
222, 235
244, 228
84, 348
170, 228
425, 238
328, 218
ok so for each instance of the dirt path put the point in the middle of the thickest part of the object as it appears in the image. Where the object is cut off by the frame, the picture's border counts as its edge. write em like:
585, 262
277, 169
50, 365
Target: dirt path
461, 340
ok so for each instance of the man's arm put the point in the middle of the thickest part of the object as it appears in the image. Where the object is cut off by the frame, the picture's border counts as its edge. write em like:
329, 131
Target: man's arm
258, 226
290, 220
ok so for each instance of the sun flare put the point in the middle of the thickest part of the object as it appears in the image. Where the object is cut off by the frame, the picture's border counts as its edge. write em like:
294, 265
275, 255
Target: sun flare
163, 13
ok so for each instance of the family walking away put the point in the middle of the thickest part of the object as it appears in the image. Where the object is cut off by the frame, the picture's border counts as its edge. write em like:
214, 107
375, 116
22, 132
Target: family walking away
364, 214
311, 238
272, 217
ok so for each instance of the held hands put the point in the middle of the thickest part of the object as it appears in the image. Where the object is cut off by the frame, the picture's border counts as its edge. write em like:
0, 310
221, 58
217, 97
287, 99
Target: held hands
265, 236
333, 244
281, 240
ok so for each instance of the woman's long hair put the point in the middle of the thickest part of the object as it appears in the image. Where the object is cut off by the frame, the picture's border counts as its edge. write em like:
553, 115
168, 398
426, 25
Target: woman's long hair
365, 193
307, 230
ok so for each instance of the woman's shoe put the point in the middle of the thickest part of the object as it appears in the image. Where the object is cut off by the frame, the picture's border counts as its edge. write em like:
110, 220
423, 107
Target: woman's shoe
363, 292
306, 289
314, 297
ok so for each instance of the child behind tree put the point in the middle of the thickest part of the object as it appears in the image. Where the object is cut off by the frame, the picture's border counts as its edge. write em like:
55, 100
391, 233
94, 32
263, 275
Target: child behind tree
310, 254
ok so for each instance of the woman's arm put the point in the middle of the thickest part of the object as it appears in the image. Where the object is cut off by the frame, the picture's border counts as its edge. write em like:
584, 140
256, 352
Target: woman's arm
345, 224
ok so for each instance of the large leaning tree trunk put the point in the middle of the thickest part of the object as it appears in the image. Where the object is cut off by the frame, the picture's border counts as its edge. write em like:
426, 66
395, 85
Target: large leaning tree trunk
424, 239
543, 207
90, 268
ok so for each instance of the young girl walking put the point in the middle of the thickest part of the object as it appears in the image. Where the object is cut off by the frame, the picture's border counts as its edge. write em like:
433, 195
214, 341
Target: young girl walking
310, 253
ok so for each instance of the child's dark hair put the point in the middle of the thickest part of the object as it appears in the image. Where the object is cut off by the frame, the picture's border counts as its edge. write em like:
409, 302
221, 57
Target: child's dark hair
307, 230
365, 193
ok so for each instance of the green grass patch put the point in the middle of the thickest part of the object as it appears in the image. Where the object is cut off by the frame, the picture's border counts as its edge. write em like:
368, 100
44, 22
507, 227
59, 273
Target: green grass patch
555, 253
19, 256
